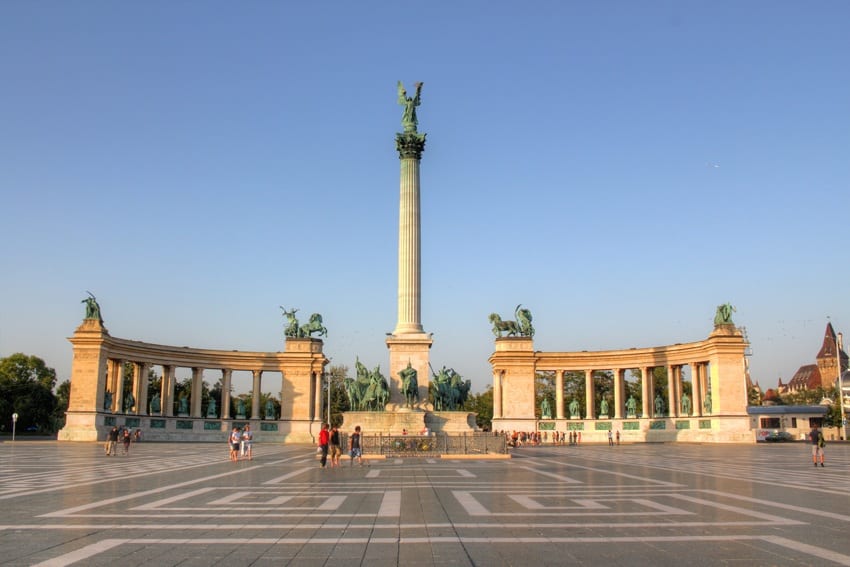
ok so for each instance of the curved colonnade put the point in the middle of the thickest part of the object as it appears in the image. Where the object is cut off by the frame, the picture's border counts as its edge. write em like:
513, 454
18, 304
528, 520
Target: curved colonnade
718, 385
98, 399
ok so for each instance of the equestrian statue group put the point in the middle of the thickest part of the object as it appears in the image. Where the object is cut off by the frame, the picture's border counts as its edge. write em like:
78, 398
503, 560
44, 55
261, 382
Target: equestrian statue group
522, 327
294, 330
370, 391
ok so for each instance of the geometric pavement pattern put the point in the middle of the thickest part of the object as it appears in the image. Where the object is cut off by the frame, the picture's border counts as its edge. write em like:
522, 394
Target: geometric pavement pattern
640, 504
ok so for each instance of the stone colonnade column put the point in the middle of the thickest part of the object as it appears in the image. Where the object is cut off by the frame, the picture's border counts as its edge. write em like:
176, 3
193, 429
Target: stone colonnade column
646, 392
317, 396
497, 394
588, 394
168, 380
696, 390
142, 388
197, 392
559, 394
118, 385
671, 392
226, 377
618, 392
255, 395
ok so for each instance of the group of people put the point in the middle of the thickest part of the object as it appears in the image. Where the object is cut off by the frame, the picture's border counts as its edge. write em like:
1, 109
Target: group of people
241, 442
330, 444
123, 436
534, 438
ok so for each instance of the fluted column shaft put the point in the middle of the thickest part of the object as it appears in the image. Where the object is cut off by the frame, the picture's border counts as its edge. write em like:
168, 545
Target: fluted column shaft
409, 248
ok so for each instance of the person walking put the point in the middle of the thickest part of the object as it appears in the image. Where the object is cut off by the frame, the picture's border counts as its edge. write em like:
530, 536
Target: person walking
610, 438
248, 442
618, 437
324, 439
818, 443
234, 440
354, 446
111, 441
336, 449
126, 437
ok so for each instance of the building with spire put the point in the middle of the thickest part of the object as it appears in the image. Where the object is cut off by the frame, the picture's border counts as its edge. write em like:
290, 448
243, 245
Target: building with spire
822, 374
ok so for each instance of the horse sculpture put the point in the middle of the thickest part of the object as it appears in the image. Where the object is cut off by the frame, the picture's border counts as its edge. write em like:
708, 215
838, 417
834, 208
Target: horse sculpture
409, 385
510, 327
314, 325
448, 390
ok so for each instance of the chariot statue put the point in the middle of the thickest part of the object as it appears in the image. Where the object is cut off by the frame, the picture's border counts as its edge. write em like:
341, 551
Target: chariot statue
521, 326
294, 330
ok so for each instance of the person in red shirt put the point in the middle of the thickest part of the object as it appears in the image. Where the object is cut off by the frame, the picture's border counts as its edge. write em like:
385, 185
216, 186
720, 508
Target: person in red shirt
324, 438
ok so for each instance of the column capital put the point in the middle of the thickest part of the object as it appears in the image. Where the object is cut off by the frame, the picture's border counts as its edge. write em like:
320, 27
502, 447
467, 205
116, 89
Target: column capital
410, 144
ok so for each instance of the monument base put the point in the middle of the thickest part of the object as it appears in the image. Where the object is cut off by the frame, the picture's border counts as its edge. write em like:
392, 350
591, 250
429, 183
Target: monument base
415, 421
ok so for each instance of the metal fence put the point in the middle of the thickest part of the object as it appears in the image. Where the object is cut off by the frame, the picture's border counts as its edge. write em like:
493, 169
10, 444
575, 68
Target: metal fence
431, 445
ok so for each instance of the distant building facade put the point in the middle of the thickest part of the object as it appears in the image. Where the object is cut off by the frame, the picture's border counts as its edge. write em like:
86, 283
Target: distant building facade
822, 374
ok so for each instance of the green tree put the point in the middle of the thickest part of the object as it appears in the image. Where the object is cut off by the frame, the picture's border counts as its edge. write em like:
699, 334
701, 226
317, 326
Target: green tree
833, 413
482, 405
63, 397
754, 397
26, 388
335, 380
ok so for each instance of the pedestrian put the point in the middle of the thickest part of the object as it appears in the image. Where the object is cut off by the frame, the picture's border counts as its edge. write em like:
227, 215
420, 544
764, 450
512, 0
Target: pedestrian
111, 441
126, 438
234, 440
618, 437
610, 438
578, 438
336, 449
324, 439
354, 446
248, 442
818, 443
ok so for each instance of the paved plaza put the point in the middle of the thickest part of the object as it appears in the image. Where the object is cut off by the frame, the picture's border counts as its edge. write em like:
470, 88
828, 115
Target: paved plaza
643, 504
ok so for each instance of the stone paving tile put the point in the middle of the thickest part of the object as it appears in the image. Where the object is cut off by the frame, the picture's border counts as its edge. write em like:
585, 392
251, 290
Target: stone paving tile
185, 504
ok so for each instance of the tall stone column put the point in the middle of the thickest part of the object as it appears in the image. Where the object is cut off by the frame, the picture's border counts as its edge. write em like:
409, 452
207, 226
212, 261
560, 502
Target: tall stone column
408, 343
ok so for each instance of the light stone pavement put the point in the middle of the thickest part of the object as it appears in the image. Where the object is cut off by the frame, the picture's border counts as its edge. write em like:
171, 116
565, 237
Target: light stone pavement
643, 504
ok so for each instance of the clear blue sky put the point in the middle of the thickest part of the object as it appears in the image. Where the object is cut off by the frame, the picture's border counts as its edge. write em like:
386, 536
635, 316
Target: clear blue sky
619, 168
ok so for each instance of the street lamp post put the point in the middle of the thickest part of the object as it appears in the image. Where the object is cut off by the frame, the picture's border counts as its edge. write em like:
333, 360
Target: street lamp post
838, 344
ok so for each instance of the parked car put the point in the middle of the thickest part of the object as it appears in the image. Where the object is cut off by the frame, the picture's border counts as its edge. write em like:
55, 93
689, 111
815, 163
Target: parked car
778, 437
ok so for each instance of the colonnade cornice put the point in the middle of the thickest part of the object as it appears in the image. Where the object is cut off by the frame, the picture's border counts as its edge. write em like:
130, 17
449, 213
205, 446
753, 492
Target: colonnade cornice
670, 355
188, 357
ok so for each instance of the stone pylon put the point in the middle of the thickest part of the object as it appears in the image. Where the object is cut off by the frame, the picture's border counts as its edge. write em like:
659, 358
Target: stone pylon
409, 343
